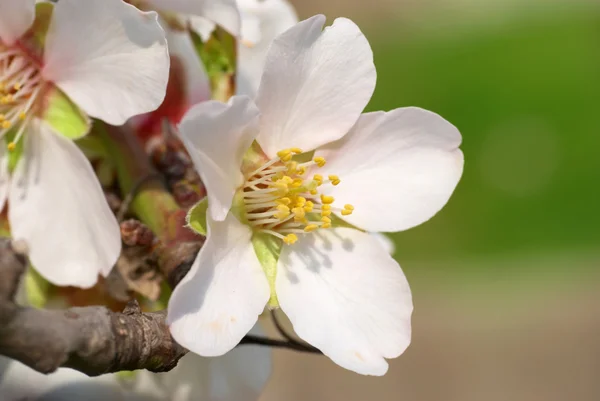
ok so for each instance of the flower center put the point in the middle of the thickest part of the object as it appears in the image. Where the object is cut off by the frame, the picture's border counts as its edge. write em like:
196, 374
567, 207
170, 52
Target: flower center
281, 201
20, 84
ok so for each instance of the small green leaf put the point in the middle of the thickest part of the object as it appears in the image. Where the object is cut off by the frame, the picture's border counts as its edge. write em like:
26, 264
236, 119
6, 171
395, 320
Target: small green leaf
36, 288
64, 116
196, 217
218, 54
268, 249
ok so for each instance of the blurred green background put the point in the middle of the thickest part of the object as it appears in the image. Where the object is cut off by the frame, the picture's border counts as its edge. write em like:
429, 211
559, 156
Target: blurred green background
505, 278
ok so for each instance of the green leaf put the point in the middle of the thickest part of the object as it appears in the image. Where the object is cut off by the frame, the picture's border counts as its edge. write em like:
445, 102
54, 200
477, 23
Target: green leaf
64, 116
268, 249
196, 217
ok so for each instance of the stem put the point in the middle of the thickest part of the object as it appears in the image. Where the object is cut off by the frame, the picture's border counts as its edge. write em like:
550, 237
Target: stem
151, 201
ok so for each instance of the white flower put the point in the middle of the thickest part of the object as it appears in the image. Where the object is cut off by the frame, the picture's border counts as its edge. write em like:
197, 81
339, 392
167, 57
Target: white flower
238, 376
111, 62
262, 21
341, 290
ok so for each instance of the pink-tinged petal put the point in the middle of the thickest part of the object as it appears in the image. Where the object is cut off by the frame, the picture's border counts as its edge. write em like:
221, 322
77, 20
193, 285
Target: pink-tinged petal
110, 58
4, 175
397, 169
197, 84
315, 84
345, 295
216, 136
16, 16
219, 300
273, 17
59, 209
222, 12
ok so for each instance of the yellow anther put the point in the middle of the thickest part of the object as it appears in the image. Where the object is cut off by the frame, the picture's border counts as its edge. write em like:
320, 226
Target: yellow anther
285, 155
300, 201
282, 212
346, 212
318, 178
320, 161
301, 170
286, 179
284, 201
299, 213
296, 150
311, 227
292, 167
349, 207
17, 86
326, 219
297, 183
327, 200
290, 239
326, 225
308, 207
6, 124
22, 115
334, 179
281, 187
325, 213
314, 192
2, 117
325, 207
11, 146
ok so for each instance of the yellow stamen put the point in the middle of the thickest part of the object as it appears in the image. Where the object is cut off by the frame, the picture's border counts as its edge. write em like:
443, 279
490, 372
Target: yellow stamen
22, 115
325, 219
290, 239
284, 201
335, 180
327, 200
6, 124
349, 207
320, 161
11, 146
282, 212
311, 227
296, 150
346, 212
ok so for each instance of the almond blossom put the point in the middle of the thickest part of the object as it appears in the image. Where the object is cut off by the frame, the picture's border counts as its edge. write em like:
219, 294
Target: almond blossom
59, 65
296, 179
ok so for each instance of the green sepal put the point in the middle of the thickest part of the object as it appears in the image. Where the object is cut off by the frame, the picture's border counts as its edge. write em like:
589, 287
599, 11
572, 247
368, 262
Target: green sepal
64, 116
339, 222
196, 217
267, 249
218, 55
35, 38
37, 288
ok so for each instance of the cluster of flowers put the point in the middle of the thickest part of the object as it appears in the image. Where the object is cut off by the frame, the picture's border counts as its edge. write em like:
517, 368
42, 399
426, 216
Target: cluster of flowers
298, 180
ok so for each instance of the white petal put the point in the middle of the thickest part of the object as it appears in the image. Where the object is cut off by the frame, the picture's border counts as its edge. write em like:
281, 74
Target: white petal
117, 69
273, 17
58, 207
315, 84
197, 85
345, 295
16, 16
19, 382
220, 299
385, 242
222, 12
4, 175
239, 375
397, 169
202, 27
216, 136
